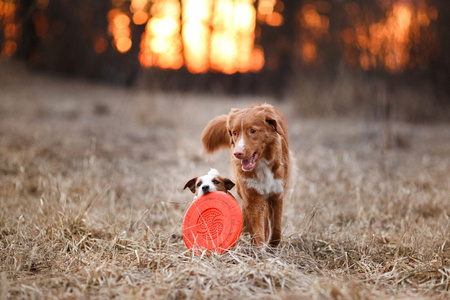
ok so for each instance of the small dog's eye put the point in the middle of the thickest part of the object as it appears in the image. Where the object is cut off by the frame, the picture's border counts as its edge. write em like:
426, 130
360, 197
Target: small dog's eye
199, 184
252, 131
215, 182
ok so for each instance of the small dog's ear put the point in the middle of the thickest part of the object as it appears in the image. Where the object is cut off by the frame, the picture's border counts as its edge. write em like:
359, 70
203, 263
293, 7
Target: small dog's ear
191, 184
228, 184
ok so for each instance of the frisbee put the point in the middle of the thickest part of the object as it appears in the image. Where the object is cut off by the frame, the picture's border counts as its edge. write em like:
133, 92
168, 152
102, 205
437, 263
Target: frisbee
212, 222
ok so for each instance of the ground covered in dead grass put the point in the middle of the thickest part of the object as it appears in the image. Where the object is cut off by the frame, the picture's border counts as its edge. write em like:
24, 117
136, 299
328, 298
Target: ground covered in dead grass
91, 201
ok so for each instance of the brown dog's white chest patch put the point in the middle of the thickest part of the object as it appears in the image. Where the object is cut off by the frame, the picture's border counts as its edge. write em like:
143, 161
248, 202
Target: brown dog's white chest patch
265, 183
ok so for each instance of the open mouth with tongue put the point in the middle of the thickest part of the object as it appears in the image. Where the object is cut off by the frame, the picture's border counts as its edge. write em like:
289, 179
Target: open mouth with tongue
250, 163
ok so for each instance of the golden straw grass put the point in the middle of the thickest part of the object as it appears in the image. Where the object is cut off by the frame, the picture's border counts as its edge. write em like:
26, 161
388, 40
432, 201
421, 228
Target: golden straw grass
92, 201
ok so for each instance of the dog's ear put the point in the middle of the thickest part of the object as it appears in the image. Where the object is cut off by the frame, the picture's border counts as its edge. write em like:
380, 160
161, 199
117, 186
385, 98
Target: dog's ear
228, 184
273, 119
191, 184
273, 123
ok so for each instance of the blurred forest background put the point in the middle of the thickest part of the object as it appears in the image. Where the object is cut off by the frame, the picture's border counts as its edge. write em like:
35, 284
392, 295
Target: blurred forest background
380, 58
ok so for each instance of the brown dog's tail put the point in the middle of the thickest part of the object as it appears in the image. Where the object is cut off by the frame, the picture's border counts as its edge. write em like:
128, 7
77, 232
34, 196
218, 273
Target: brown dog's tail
215, 134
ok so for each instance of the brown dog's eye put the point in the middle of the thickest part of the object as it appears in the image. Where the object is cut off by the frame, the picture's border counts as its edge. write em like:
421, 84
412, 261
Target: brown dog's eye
215, 182
252, 131
234, 133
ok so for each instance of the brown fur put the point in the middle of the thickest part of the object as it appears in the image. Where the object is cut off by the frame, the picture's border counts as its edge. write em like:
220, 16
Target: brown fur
264, 131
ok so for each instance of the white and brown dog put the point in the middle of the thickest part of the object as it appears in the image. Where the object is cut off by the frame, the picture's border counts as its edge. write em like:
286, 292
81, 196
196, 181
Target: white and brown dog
211, 182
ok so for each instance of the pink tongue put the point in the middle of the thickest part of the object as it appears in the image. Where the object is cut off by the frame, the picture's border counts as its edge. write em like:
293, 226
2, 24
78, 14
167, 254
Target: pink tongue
248, 164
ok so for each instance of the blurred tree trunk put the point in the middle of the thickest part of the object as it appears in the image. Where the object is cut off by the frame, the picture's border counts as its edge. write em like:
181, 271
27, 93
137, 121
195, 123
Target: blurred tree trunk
440, 65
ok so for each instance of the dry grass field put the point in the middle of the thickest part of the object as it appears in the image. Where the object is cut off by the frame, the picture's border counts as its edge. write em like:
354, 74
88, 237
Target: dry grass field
91, 201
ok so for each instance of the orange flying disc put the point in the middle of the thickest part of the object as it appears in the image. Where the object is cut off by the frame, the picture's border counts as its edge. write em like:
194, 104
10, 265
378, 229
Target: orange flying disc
212, 222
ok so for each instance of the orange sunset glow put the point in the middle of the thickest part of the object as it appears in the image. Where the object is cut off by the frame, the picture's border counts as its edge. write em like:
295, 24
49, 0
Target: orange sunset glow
232, 36
211, 35
204, 35
270, 12
316, 27
201, 35
119, 28
11, 29
387, 43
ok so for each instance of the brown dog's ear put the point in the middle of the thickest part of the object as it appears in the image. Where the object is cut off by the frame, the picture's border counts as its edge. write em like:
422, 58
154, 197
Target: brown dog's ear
273, 122
228, 184
191, 184
272, 117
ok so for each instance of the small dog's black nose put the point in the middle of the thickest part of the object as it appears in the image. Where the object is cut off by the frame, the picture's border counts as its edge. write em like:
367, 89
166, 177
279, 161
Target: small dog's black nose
205, 189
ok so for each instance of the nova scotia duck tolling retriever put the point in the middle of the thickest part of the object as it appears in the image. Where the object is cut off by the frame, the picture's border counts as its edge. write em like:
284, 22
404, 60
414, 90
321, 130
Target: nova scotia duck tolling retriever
258, 139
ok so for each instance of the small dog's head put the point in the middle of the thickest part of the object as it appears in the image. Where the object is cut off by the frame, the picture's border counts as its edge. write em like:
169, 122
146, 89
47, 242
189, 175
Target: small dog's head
211, 182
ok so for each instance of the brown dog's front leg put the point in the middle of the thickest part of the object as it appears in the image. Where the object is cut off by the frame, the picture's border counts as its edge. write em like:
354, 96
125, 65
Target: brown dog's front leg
254, 212
275, 213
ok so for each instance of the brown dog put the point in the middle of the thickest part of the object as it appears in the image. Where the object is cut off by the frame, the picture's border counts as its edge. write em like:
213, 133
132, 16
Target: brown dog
258, 139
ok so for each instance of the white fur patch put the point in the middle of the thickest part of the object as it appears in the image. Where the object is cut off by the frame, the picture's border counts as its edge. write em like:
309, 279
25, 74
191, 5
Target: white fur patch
213, 172
265, 184
241, 144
